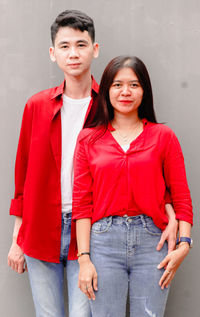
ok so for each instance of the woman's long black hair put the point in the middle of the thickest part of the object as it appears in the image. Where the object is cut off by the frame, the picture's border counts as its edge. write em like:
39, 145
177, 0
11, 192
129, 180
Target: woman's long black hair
105, 111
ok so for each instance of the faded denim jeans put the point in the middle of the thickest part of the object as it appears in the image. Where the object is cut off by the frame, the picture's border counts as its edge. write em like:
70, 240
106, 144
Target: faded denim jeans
47, 280
123, 250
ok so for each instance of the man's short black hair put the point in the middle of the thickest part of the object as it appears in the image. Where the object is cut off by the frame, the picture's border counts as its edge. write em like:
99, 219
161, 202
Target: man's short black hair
74, 19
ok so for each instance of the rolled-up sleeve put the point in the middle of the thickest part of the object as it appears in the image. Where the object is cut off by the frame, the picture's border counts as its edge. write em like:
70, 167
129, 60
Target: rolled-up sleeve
176, 181
82, 206
16, 207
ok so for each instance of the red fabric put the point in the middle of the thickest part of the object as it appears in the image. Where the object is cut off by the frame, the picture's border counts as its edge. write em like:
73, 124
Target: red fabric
37, 175
108, 181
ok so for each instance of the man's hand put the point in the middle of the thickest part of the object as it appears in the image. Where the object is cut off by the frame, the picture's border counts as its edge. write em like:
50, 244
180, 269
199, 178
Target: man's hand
170, 232
16, 259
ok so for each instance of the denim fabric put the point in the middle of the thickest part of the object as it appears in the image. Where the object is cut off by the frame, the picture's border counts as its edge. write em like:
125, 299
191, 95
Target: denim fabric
123, 250
47, 280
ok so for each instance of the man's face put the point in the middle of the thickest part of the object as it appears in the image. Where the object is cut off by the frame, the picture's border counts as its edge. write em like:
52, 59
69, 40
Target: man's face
73, 51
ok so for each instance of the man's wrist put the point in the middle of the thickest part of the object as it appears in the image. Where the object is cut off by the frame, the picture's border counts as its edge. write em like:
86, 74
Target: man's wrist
14, 239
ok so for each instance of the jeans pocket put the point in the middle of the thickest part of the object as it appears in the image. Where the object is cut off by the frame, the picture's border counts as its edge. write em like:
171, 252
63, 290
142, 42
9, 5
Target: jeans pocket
102, 225
151, 228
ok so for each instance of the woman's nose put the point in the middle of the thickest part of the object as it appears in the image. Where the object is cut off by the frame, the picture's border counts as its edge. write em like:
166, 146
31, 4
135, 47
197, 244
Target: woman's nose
125, 91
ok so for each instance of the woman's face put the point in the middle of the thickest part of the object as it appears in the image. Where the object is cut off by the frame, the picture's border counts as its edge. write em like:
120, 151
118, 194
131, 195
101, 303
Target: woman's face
126, 93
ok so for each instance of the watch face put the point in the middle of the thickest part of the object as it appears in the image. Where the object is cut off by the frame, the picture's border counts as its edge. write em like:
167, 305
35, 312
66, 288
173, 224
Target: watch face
191, 243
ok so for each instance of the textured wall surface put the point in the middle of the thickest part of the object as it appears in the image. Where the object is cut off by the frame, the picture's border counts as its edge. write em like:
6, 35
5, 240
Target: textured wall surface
166, 36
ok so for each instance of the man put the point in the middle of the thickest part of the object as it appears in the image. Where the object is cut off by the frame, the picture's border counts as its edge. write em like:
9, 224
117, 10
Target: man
51, 122
44, 167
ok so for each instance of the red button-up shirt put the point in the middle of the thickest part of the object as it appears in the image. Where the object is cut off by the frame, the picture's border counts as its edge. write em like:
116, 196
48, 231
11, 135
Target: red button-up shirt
38, 175
109, 181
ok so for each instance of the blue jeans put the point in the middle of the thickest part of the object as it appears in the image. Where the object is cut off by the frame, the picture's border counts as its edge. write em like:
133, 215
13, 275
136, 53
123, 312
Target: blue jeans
47, 280
123, 250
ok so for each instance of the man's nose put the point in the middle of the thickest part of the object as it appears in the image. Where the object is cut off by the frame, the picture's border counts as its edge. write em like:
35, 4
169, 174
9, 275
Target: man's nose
73, 52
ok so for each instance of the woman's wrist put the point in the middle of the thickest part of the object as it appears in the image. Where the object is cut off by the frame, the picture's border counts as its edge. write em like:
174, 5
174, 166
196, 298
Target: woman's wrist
184, 246
84, 258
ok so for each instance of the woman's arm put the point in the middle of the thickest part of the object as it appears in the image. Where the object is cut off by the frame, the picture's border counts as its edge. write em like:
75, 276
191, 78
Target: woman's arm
172, 261
176, 181
82, 211
87, 281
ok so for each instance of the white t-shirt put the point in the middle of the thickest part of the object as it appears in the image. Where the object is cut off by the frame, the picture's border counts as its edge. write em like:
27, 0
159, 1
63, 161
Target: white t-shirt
125, 147
73, 114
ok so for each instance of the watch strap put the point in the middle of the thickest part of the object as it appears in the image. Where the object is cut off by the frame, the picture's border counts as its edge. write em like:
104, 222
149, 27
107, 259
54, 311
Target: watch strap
184, 239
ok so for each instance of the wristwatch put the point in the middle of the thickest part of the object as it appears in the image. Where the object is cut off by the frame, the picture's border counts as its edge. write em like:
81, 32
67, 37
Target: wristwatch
185, 239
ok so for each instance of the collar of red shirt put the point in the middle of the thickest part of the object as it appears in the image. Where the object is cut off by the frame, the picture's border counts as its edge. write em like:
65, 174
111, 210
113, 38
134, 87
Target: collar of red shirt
60, 89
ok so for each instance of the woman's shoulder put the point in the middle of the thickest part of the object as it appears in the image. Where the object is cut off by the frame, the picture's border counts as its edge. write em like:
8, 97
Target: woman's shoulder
161, 129
86, 135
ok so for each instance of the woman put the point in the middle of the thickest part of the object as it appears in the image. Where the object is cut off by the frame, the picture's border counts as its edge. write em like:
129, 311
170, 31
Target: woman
124, 163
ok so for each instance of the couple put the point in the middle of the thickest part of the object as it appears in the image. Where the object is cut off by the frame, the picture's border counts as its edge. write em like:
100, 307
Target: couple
124, 180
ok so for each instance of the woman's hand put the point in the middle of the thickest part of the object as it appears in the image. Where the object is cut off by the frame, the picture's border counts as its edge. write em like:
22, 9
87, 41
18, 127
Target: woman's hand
87, 281
171, 263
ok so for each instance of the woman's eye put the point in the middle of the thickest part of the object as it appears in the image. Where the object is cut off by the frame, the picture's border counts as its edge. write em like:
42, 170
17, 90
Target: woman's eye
116, 85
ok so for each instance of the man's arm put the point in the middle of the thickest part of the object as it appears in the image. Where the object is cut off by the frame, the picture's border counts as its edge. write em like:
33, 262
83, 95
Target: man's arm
16, 258
170, 232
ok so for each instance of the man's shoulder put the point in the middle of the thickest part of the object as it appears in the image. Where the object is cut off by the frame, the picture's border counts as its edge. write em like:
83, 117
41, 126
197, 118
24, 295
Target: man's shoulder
44, 95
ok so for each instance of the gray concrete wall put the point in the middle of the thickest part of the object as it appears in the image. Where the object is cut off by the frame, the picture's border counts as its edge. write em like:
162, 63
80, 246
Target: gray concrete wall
166, 36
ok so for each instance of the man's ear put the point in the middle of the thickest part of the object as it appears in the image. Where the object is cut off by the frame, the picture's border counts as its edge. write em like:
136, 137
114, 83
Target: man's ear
96, 50
52, 54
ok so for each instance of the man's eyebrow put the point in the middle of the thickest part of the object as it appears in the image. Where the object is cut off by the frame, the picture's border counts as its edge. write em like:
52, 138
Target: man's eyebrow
68, 42
82, 41
63, 42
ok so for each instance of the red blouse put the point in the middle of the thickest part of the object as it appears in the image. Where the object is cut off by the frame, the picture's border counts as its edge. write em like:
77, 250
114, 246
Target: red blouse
109, 181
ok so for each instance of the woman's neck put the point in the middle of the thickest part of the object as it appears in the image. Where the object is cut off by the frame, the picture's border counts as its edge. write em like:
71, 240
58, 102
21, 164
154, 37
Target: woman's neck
125, 122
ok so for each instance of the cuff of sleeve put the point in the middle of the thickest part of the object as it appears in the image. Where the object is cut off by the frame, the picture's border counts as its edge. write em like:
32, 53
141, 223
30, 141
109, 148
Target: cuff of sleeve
81, 216
184, 218
168, 199
16, 207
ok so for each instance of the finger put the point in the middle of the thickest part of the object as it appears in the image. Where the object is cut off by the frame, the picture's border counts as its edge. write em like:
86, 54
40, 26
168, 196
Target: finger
171, 245
163, 263
25, 267
8, 261
20, 268
95, 280
84, 289
91, 292
167, 280
171, 278
164, 277
16, 266
160, 243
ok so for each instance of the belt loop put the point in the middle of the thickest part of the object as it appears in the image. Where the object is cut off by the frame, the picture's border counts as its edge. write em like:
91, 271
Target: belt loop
143, 221
110, 219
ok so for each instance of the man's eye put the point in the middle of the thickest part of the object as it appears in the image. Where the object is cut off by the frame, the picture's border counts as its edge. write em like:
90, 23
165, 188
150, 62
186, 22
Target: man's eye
81, 45
64, 46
